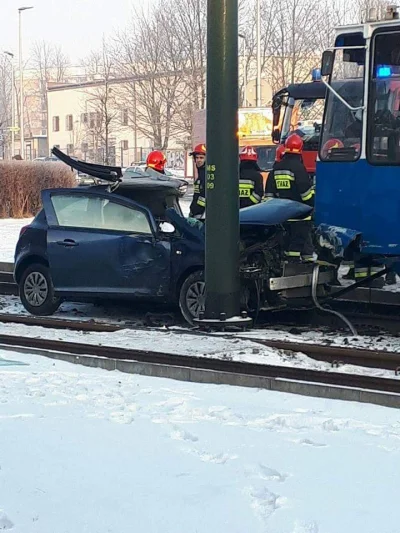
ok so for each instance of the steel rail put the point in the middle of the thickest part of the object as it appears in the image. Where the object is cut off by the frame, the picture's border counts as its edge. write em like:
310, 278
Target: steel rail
337, 355
354, 381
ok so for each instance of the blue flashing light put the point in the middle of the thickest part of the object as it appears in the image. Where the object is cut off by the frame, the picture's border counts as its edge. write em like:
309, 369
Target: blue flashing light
316, 74
383, 72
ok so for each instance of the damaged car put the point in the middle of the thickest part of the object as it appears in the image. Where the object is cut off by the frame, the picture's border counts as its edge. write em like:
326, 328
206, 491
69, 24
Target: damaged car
128, 239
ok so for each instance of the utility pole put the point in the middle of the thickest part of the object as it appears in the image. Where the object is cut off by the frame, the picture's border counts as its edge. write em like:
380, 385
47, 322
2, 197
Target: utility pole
258, 91
222, 180
21, 82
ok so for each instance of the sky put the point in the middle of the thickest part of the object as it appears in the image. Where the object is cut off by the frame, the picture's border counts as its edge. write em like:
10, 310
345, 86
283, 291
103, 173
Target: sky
76, 25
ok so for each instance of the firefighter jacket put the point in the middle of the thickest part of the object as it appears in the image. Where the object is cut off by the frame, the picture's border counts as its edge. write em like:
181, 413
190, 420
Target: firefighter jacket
198, 205
289, 179
250, 184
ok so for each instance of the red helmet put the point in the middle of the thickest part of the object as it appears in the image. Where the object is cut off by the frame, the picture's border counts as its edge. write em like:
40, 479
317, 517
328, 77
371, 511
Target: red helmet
280, 152
156, 160
294, 144
331, 144
199, 149
248, 154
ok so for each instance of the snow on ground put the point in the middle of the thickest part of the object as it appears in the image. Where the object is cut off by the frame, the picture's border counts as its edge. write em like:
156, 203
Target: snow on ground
131, 317
9, 233
85, 450
227, 348
383, 342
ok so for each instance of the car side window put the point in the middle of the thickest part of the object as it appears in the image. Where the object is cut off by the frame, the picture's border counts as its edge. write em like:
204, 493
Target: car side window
122, 218
98, 213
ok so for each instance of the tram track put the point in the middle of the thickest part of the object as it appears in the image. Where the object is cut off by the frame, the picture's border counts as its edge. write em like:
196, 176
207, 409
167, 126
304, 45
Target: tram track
335, 355
332, 384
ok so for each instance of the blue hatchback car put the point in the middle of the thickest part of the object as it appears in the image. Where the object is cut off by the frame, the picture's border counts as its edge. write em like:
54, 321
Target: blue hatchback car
130, 240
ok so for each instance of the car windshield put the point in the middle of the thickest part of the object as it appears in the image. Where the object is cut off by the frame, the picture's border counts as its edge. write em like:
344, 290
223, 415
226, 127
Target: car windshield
305, 119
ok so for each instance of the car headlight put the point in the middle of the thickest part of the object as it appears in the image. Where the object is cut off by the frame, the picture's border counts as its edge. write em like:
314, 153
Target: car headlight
183, 188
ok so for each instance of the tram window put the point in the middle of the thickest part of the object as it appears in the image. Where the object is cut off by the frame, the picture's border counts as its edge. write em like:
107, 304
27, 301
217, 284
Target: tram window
342, 128
383, 145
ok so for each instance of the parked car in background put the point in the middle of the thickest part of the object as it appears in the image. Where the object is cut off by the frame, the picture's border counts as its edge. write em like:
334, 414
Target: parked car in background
140, 172
47, 159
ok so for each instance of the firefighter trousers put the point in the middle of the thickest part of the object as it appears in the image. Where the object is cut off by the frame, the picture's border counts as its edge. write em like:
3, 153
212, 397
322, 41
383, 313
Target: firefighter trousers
298, 241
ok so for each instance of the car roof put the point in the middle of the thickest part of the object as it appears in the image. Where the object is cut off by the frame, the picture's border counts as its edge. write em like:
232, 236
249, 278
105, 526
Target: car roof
170, 187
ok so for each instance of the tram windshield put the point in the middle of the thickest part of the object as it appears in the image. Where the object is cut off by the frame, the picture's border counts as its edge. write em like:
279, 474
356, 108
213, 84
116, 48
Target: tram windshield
342, 127
384, 110
304, 117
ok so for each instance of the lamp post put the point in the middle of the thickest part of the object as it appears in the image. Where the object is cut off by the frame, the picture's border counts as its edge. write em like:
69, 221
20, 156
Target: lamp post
258, 92
10, 54
244, 69
21, 81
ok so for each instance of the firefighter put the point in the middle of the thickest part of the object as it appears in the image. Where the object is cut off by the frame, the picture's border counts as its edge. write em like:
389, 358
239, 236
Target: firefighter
289, 179
198, 205
250, 180
156, 162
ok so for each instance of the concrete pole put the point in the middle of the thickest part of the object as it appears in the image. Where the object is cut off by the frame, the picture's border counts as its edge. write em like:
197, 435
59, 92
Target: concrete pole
222, 180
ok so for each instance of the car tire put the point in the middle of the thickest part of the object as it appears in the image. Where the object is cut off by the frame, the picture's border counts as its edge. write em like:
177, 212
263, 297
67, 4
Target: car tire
36, 291
192, 296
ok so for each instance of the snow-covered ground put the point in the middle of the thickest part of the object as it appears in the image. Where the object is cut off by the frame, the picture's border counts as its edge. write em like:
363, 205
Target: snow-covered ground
9, 233
226, 348
85, 450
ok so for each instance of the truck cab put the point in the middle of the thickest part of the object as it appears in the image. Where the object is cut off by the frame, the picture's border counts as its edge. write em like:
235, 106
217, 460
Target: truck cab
298, 108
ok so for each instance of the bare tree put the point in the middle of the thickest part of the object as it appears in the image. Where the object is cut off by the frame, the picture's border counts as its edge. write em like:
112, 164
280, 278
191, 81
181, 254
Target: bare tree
151, 56
50, 64
101, 112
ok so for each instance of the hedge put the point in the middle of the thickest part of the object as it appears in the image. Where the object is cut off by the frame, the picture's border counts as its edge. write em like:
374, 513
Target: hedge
22, 181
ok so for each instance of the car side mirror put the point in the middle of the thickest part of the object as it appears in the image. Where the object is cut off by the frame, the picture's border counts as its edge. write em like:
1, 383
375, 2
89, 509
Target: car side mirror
327, 63
166, 227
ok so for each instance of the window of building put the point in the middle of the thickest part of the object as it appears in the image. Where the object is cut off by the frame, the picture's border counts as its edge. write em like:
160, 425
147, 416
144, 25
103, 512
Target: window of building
84, 118
124, 145
56, 123
70, 149
98, 213
69, 122
95, 120
84, 147
383, 144
125, 117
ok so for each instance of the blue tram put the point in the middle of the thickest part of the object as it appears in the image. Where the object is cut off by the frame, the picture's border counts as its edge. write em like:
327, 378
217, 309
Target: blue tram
358, 169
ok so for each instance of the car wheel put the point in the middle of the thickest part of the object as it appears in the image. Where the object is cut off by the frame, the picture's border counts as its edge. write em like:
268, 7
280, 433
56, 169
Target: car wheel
192, 296
36, 291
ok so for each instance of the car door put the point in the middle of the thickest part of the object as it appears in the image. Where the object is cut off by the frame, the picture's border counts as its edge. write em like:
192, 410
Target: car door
103, 244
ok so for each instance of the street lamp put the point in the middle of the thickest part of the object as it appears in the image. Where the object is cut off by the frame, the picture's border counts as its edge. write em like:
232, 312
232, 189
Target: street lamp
10, 54
21, 81
258, 92
245, 69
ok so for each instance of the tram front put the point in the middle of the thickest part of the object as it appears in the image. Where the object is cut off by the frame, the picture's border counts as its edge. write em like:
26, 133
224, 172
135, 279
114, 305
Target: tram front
357, 184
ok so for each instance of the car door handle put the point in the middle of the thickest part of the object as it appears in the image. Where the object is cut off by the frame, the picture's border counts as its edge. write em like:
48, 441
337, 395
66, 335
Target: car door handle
67, 243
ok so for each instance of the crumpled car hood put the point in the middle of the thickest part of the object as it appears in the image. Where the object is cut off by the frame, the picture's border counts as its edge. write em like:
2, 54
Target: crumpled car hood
272, 212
